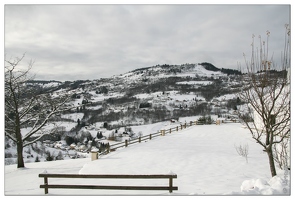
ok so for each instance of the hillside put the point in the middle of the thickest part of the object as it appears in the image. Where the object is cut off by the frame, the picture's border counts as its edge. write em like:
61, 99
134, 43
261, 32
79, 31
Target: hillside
203, 157
112, 106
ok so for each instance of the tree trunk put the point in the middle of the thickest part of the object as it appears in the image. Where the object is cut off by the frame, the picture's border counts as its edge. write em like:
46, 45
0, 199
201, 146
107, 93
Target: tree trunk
19, 144
20, 159
271, 162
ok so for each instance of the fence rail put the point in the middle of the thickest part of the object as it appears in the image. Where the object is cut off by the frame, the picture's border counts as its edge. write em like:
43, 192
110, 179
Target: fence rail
170, 186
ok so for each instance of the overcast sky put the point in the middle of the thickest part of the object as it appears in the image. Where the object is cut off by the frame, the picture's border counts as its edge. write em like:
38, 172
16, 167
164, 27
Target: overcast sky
74, 42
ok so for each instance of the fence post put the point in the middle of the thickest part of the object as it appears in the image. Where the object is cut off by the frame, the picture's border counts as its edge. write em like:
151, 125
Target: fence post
150, 136
191, 123
170, 130
126, 143
108, 149
176, 128
139, 139
94, 155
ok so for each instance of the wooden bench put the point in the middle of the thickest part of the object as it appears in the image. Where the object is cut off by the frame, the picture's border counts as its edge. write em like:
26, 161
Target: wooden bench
170, 187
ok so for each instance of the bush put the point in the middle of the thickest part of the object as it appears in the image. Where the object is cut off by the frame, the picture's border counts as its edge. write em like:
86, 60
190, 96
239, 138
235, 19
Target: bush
205, 120
103, 147
247, 117
37, 159
99, 135
243, 151
83, 136
112, 136
8, 155
69, 140
145, 105
59, 156
49, 157
105, 125
10, 161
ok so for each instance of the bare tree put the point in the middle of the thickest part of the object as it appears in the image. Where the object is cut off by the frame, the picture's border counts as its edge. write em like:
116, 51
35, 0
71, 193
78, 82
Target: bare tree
266, 92
243, 151
23, 105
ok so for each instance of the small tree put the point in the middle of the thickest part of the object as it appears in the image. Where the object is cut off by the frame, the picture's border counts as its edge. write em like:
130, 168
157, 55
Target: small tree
267, 96
243, 151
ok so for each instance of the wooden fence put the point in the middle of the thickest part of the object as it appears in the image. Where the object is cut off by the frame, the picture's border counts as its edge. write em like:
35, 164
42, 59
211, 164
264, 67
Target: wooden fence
163, 132
170, 177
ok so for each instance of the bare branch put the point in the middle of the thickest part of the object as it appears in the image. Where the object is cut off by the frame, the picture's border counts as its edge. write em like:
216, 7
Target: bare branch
10, 136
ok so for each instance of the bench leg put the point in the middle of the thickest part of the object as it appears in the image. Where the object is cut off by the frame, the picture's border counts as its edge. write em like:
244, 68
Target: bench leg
46, 183
170, 185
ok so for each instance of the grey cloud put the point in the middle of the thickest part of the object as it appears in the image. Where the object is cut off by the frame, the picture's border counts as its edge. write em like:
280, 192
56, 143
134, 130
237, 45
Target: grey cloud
93, 41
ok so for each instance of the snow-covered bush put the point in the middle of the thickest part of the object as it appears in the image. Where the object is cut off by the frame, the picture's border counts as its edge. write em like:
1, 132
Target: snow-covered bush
48, 156
59, 156
205, 120
83, 136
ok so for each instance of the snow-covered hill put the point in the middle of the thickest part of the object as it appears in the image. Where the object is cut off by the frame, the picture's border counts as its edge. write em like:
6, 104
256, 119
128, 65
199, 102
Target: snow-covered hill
203, 157
172, 70
140, 97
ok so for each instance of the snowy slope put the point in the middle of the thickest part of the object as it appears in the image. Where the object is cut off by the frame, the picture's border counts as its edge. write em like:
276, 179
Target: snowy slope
203, 157
157, 72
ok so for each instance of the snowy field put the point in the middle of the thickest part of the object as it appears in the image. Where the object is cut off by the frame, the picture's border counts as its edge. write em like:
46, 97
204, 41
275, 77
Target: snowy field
203, 157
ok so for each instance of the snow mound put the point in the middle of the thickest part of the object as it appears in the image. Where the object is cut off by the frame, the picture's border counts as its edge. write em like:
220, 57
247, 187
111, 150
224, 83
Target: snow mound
275, 186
